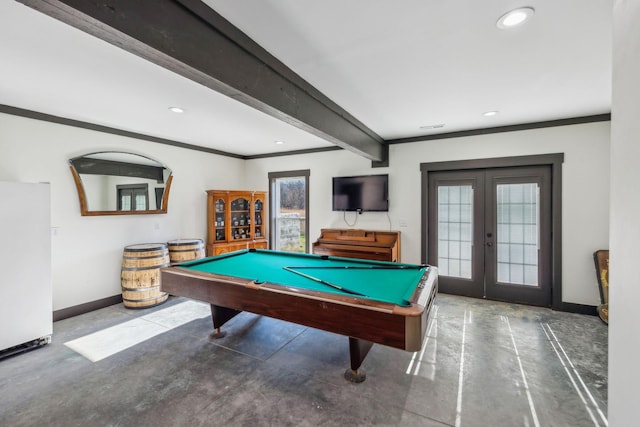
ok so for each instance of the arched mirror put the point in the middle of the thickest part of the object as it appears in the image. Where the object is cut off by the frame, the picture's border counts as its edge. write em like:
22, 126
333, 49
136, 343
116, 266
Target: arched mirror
118, 183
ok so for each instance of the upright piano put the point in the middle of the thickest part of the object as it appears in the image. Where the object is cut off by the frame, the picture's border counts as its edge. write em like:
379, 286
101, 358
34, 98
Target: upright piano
364, 244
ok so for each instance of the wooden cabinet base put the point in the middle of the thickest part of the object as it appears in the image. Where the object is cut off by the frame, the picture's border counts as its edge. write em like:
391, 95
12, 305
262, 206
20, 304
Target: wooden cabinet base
220, 249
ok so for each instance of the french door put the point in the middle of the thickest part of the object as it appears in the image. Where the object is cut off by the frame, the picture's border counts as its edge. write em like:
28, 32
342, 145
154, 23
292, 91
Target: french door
490, 232
133, 197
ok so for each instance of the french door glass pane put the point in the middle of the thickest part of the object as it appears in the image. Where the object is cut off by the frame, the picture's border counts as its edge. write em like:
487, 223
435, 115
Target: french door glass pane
125, 202
141, 202
455, 230
290, 214
518, 228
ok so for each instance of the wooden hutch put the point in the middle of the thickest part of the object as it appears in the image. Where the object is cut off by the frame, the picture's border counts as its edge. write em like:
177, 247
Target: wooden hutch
365, 244
235, 221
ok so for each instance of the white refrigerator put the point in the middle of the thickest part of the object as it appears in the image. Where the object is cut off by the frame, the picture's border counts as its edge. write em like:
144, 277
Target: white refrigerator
26, 307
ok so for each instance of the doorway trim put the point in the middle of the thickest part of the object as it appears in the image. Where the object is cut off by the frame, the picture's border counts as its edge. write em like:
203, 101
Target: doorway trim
555, 161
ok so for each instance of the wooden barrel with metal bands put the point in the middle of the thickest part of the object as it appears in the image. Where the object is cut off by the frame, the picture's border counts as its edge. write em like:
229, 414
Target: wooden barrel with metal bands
140, 274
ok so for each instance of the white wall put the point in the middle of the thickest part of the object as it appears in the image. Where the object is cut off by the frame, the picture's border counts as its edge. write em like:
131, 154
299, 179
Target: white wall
585, 189
624, 339
87, 251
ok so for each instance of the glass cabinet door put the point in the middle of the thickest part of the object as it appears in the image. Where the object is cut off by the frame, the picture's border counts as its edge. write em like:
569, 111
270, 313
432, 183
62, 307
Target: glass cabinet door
258, 207
240, 219
219, 220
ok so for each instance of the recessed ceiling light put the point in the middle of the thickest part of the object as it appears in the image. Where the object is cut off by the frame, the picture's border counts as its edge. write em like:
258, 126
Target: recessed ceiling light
279, 142
489, 113
514, 18
438, 126
176, 109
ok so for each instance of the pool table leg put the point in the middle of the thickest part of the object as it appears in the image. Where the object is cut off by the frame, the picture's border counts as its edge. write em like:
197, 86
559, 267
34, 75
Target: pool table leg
220, 316
358, 350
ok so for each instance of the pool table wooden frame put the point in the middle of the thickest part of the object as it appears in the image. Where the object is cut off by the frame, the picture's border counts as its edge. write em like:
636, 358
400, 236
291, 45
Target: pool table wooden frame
363, 320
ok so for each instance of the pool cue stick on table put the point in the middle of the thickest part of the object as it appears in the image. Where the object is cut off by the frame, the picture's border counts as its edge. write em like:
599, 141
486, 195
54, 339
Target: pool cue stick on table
357, 267
324, 282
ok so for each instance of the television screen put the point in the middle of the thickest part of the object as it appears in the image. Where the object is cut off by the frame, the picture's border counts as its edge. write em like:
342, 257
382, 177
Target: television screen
361, 193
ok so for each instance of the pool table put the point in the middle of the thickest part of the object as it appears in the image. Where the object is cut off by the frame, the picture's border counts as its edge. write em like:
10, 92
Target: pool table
368, 301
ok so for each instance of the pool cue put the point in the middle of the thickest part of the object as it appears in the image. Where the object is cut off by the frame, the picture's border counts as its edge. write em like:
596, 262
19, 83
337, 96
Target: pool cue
371, 267
324, 282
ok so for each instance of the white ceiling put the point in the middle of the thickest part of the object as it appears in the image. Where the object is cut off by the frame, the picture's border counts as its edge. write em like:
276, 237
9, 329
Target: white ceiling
395, 65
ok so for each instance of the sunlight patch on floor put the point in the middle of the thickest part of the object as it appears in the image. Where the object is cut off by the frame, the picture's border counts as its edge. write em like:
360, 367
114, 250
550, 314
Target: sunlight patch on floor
107, 342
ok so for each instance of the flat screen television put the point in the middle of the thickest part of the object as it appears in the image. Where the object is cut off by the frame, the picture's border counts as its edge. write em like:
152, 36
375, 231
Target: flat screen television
361, 193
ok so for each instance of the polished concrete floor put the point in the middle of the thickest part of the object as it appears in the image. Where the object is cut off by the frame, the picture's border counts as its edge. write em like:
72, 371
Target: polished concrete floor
484, 364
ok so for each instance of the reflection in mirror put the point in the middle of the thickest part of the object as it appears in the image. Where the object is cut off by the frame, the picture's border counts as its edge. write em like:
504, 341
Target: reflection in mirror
118, 183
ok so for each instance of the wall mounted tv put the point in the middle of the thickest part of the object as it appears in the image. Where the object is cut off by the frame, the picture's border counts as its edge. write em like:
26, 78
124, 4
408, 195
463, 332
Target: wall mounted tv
361, 193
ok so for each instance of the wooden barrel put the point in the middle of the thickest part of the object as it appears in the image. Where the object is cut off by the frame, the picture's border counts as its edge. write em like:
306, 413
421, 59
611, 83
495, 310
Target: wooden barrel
182, 250
140, 274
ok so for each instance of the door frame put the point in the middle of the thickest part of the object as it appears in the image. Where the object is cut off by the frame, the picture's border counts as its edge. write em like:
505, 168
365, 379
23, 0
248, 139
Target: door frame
555, 161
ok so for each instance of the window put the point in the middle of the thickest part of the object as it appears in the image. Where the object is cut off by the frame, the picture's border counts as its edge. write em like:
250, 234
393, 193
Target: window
288, 211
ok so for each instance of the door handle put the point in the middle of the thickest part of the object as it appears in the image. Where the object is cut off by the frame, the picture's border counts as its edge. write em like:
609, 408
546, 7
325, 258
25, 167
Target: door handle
489, 244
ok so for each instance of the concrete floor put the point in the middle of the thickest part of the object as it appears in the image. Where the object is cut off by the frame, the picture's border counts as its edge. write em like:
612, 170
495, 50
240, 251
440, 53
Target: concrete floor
484, 364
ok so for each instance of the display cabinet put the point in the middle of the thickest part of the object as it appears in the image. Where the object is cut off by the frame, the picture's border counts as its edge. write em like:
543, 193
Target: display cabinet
235, 220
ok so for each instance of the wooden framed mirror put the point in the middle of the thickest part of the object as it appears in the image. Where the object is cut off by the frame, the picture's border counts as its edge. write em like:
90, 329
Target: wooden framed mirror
120, 183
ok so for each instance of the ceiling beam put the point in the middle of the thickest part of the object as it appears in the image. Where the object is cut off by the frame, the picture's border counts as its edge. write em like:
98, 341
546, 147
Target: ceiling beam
190, 39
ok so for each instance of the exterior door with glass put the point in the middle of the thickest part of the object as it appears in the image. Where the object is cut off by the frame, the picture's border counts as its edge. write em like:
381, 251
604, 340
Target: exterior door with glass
490, 233
288, 214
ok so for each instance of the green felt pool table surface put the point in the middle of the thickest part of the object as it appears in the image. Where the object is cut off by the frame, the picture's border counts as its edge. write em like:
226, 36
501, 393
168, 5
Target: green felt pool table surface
376, 280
